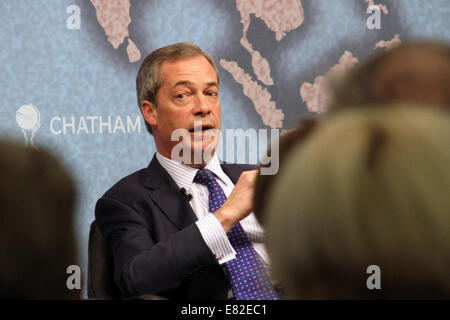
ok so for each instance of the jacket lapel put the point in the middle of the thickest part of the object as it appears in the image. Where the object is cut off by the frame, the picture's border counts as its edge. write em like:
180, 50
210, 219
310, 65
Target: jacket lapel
167, 195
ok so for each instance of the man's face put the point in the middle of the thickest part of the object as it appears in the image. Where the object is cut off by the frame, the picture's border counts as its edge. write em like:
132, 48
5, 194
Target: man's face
189, 92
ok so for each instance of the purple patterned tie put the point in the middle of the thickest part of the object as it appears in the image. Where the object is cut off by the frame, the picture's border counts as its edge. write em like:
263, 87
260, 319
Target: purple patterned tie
248, 278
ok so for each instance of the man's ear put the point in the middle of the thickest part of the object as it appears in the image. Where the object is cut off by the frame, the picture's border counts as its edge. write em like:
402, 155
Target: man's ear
149, 112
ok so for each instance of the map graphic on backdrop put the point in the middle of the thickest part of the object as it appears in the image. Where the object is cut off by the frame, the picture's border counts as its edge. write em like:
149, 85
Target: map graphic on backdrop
73, 91
279, 16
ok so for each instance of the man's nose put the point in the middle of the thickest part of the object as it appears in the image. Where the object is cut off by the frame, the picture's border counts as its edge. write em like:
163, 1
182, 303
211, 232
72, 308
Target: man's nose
201, 106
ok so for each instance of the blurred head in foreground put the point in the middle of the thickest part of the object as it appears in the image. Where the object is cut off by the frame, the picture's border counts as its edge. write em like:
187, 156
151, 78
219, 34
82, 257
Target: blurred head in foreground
37, 241
285, 144
368, 187
416, 72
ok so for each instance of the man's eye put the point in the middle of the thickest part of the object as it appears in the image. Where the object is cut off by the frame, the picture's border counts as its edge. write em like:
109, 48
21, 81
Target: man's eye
181, 95
211, 93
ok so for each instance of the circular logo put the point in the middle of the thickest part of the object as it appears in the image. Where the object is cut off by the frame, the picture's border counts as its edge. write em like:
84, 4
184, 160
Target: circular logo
28, 117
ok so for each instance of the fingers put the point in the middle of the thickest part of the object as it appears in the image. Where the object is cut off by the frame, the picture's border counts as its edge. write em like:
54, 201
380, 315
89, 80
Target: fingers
240, 202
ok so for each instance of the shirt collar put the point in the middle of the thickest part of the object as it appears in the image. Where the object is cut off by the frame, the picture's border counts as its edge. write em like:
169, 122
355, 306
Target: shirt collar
183, 175
216, 168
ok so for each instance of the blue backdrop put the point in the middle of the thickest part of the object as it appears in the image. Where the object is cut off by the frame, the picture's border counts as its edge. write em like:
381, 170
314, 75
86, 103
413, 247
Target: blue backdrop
68, 69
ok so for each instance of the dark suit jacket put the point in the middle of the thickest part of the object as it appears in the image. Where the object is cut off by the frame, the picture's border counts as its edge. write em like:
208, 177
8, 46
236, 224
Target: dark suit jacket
153, 239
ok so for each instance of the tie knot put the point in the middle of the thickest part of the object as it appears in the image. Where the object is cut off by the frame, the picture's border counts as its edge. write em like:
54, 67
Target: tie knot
205, 177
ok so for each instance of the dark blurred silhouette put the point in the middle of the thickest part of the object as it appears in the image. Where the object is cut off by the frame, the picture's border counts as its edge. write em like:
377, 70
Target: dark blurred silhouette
37, 241
287, 140
368, 187
415, 72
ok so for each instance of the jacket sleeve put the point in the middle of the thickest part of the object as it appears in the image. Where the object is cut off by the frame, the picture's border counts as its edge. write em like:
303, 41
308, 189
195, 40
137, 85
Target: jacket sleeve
143, 265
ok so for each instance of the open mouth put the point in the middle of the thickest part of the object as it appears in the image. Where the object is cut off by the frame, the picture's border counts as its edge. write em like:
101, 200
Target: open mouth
201, 128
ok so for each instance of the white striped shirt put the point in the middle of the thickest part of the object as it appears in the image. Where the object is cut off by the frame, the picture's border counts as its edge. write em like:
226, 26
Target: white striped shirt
210, 228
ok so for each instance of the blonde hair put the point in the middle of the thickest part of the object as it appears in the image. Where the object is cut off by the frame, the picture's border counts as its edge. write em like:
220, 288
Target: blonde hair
369, 187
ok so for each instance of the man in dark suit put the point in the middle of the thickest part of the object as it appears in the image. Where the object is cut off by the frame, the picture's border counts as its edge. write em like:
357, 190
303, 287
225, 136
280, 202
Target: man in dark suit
167, 229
